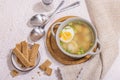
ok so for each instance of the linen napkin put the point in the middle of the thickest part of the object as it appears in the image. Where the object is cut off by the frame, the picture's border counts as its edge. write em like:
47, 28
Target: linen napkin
105, 16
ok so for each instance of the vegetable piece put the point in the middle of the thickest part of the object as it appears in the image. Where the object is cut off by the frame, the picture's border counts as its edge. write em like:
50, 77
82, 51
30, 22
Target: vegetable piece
80, 22
61, 43
69, 51
81, 51
91, 44
70, 23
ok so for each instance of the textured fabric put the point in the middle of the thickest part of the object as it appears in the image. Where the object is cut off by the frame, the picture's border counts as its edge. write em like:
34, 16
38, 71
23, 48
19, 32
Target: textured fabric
105, 15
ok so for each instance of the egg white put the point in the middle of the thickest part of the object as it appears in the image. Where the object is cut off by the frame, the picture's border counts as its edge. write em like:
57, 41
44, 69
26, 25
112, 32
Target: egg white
68, 29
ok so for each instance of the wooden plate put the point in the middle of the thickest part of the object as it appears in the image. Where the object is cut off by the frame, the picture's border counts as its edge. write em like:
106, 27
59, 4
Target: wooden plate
56, 52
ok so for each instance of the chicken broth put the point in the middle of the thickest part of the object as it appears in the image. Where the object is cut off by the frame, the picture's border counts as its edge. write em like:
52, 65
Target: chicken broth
76, 37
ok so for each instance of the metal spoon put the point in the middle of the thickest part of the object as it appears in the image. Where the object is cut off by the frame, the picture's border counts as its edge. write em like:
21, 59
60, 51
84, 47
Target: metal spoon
39, 32
41, 19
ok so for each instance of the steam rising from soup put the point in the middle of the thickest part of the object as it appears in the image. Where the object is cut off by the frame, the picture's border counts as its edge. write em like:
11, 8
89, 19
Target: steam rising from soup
76, 37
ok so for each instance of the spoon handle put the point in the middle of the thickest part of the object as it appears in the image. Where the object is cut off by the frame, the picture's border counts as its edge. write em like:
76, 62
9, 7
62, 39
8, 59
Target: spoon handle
56, 10
73, 5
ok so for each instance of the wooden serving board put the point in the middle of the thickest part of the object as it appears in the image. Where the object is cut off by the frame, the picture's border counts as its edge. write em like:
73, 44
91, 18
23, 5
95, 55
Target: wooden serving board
56, 52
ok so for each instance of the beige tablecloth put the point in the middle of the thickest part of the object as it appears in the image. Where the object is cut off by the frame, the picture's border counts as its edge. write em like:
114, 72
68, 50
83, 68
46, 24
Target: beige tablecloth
105, 15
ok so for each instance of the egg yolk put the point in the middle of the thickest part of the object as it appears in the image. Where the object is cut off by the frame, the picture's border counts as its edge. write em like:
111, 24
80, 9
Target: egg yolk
66, 35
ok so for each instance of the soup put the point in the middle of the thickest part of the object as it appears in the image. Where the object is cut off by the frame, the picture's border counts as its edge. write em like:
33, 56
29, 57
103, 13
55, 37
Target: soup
76, 37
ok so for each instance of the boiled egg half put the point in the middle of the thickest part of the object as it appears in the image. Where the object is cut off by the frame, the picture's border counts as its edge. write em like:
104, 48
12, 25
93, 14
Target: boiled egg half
67, 34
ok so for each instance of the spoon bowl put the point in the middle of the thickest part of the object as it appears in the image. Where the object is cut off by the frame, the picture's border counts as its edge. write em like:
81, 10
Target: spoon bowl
37, 33
38, 19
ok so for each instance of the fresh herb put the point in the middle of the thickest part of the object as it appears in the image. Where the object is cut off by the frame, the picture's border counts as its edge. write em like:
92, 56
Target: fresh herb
91, 44
73, 28
80, 22
60, 33
81, 51
61, 43
68, 50
70, 24
78, 52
